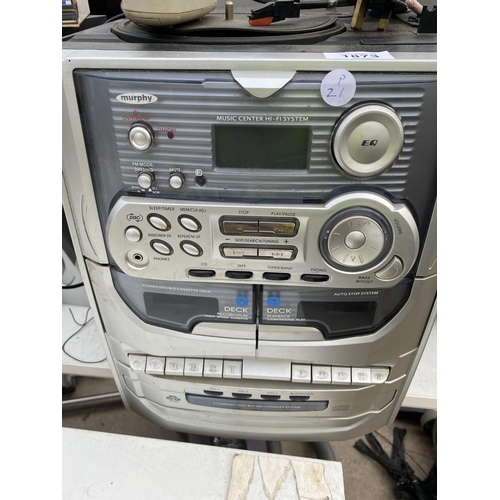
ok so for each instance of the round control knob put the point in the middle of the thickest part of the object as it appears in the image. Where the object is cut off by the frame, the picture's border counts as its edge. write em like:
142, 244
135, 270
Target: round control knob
367, 140
145, 180
356, 239
176, 180
141, 136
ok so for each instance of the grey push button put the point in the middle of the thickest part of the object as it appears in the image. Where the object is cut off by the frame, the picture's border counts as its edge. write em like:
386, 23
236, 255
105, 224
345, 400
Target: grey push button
193, 367
301, 373
277, 228
276, 253
137, 362
239, 226
174, 366
267, 369
321, 374
191, 248
213, 368
239, 252
133, 234
141, 136
341, 375
189, 223
232, 369
391, 271
361, 376
379, 375
155, 365
162, 247
159, 222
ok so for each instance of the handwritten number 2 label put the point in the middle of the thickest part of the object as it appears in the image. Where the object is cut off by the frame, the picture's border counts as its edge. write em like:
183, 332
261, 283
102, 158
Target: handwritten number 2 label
338, 87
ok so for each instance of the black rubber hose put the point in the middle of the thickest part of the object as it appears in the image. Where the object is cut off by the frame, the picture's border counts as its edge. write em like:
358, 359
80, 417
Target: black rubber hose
274, 447
323, 450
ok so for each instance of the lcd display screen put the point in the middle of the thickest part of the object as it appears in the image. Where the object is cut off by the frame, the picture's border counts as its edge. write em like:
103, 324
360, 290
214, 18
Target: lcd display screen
261, 147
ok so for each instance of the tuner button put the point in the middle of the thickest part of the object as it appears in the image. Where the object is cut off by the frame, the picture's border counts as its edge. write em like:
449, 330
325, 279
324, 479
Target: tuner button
368, 140
145, 180
141, 136
176, 181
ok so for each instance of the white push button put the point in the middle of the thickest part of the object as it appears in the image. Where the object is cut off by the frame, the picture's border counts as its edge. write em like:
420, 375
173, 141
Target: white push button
145, 180
191, 248
321, 374
140, 137
161, 247
361, 376
232, 368
159, 222
133, 234
391, 271
193, 367
301, 373
355, 240
189, 223
137, 362
176, 181
213, 368
379, 375
155, 365
341, 375
174, 366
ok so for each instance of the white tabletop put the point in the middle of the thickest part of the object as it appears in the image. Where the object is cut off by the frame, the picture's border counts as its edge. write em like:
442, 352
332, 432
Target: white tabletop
116, 467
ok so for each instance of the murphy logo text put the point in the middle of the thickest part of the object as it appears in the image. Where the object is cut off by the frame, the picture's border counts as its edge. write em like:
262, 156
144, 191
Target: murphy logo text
136, 98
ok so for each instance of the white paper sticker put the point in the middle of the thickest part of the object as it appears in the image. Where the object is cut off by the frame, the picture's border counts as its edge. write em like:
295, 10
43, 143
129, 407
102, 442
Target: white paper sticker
338, 87
382, 56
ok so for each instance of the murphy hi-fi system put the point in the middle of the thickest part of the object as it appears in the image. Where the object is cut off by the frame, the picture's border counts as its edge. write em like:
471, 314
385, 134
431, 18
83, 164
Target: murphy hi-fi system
254, 212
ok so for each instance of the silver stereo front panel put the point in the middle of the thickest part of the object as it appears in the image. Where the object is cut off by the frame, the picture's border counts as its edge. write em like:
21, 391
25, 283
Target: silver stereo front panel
260, 263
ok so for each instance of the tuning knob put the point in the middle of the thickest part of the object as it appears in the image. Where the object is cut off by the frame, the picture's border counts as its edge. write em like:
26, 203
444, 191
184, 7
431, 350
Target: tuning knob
367, 140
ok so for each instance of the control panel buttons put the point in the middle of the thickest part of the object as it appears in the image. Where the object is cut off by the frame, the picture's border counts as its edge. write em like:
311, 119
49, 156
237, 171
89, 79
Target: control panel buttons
155, 365
161, 247
341, 375
191, 248
391, 271
176, 180
213, 368
239, 275
278, 228
321, 374
193, 367
159, 222
252, 226
276, 276
201, 273
301, 373
379, 375
145, 180
360, 376
276, 253
239, 252
141, 136
137, 362
239, 226
315, 278
232, 369
189, 223
133, 234
174, 366
367, 140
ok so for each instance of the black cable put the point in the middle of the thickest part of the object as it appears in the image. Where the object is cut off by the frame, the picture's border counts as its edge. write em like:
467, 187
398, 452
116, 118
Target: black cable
81, 325
323, 450
69, 287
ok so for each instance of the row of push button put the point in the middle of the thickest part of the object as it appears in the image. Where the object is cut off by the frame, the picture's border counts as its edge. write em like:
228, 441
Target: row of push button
244, 252
161, 223
287, 227
258, 369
